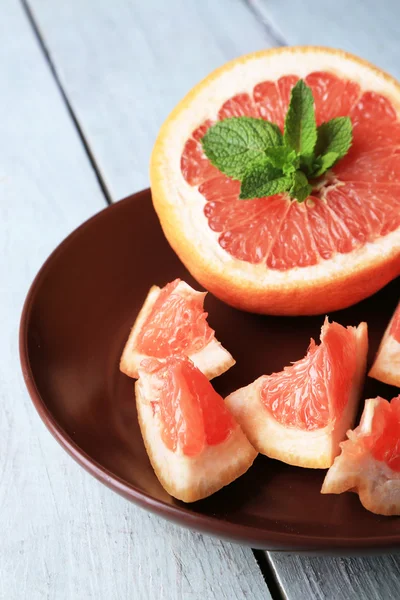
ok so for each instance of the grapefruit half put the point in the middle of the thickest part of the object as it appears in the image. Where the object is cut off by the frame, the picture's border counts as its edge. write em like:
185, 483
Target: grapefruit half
274, 255
386, 366
300, 415
172, 321
194, 444
369, 463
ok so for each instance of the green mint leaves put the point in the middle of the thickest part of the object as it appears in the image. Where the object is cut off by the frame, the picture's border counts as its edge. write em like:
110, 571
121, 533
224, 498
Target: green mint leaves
255, 152
300, 127
233, 145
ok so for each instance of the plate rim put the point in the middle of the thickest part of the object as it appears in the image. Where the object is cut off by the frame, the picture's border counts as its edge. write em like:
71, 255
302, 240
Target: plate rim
183, 516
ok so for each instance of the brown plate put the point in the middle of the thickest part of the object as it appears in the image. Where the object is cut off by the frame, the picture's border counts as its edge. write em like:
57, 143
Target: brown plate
75, 321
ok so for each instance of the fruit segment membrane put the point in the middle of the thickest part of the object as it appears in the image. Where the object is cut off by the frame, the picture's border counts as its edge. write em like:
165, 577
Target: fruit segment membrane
395, 326
176, 325
191, 413
313, 391
357, 202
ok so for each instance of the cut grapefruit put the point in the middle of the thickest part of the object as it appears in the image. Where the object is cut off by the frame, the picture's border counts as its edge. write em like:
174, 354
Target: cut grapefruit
194, 444
386, 366
300, 415
369, 463
172, 321
275, 255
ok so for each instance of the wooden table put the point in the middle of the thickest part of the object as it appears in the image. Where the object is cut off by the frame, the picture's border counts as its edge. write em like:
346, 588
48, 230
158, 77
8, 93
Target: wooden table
85, 85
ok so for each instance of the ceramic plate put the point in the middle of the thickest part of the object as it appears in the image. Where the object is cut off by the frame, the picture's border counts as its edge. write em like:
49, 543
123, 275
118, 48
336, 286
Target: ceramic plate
75, 322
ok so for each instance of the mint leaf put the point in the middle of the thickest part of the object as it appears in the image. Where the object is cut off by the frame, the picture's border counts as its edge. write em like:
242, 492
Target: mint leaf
335, 136
300, 188
282, 157
323, 163
263, 180
300, 127
234, 144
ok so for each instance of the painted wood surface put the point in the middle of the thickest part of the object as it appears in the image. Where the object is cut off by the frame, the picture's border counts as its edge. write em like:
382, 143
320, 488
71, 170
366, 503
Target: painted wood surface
319, 578
63, 534
369, 29
124, 65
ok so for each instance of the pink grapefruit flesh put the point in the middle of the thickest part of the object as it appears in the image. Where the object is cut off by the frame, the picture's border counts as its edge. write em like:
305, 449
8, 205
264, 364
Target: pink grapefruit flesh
369, 463
172, 322
191, 413
301, 414
176, 325
386, 366
358, 202
194, 444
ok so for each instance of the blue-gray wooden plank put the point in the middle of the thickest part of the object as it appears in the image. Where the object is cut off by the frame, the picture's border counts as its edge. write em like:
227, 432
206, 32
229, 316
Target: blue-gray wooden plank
124, 65
368, 28
334, 578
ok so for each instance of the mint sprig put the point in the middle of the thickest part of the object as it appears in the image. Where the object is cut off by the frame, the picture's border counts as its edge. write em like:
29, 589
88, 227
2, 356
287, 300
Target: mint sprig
255, 152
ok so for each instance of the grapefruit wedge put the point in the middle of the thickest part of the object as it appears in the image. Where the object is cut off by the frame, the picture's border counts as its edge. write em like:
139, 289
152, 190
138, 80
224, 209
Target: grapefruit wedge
386, 366
194, 444
274, 255
172, 321
369, 463
300, 415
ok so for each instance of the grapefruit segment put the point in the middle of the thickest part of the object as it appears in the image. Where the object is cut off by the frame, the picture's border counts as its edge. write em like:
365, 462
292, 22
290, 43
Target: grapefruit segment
271, 255
386, 366
194, 444
369, 463
172, 321
301, 414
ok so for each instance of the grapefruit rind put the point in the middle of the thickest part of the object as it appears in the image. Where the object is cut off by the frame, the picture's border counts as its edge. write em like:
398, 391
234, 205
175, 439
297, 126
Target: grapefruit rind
386, 366
377, 485
315, 449
184, 477
330, 285
212, 360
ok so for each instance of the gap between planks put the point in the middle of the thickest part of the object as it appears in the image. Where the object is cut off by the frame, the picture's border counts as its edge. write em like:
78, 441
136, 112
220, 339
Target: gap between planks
273, 34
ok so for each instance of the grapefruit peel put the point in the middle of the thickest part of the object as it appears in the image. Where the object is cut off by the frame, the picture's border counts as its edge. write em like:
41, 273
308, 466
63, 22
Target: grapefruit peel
188, 478
315, 448
357, 470
213, 359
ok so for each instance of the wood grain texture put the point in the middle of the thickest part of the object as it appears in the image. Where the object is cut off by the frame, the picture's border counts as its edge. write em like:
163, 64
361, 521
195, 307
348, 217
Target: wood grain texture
368, 28
63, 534
124, 65
319, 578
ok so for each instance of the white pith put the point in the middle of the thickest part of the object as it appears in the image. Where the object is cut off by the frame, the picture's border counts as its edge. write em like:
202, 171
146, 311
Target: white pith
212, 360
185, 204
377, 485
313, 449
184, 477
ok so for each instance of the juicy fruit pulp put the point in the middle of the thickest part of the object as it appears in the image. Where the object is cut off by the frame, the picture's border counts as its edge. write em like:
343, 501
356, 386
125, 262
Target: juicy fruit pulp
369, 463
175, 325
313, 391
384, 440
357, 203
191, 413
395, 326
